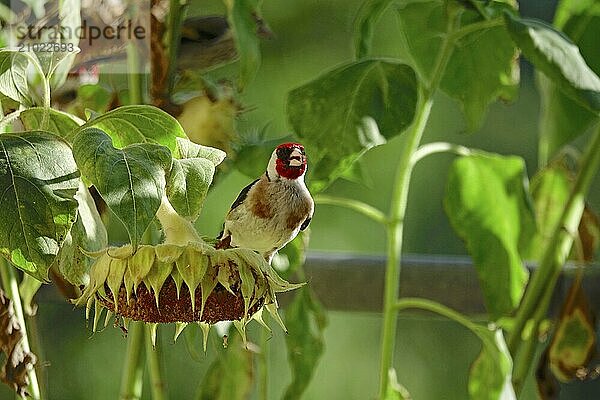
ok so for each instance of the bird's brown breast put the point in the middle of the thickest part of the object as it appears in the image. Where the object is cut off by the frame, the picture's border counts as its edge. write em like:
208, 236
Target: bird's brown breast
290, 203
259, 204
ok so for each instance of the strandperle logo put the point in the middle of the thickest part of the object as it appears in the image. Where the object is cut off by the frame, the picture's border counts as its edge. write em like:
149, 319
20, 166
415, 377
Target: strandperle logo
88, 33
97, 33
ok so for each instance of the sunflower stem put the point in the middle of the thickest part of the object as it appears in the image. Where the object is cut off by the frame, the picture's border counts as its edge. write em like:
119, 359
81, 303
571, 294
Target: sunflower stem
155, 367
394, 246
399, 200
133, 369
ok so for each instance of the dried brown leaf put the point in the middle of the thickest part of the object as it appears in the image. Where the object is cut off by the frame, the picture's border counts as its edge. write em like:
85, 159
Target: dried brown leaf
18, 360
574, 341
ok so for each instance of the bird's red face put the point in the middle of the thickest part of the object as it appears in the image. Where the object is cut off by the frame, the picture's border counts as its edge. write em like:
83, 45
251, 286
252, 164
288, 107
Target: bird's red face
291, 160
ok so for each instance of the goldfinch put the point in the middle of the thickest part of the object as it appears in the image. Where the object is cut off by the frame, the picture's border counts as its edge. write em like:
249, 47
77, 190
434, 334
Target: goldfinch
269, 212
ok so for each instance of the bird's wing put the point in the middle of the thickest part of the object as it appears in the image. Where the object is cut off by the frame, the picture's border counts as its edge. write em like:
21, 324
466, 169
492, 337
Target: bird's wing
242, 196
239, 200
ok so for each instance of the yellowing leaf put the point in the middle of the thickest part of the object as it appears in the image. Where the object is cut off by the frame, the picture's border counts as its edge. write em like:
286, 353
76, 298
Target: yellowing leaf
574, 341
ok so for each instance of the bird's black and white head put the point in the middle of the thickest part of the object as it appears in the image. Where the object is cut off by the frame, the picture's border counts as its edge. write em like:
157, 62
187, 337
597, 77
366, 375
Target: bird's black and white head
288, 161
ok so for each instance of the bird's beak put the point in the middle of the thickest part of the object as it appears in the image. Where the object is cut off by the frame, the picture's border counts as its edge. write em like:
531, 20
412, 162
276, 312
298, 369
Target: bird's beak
296, 158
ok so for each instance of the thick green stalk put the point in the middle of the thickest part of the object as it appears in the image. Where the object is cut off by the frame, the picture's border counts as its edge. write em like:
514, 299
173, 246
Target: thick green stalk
155, 368
133, 370
398, 204
394, 243
11, 287
557, 251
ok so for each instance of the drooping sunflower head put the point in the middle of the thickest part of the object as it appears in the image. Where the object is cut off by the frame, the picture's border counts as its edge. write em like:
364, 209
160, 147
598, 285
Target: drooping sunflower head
181, 284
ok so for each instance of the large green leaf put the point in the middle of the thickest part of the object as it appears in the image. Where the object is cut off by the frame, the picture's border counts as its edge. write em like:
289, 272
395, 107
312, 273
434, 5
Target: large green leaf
488, 205
191, 176
306, 320
38, 182
131, 180
343, 113
243, 19
230, 376
58, 122
490, 377
87, 234
139, 124
557, 57
563, 119
13, 76
482, 64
